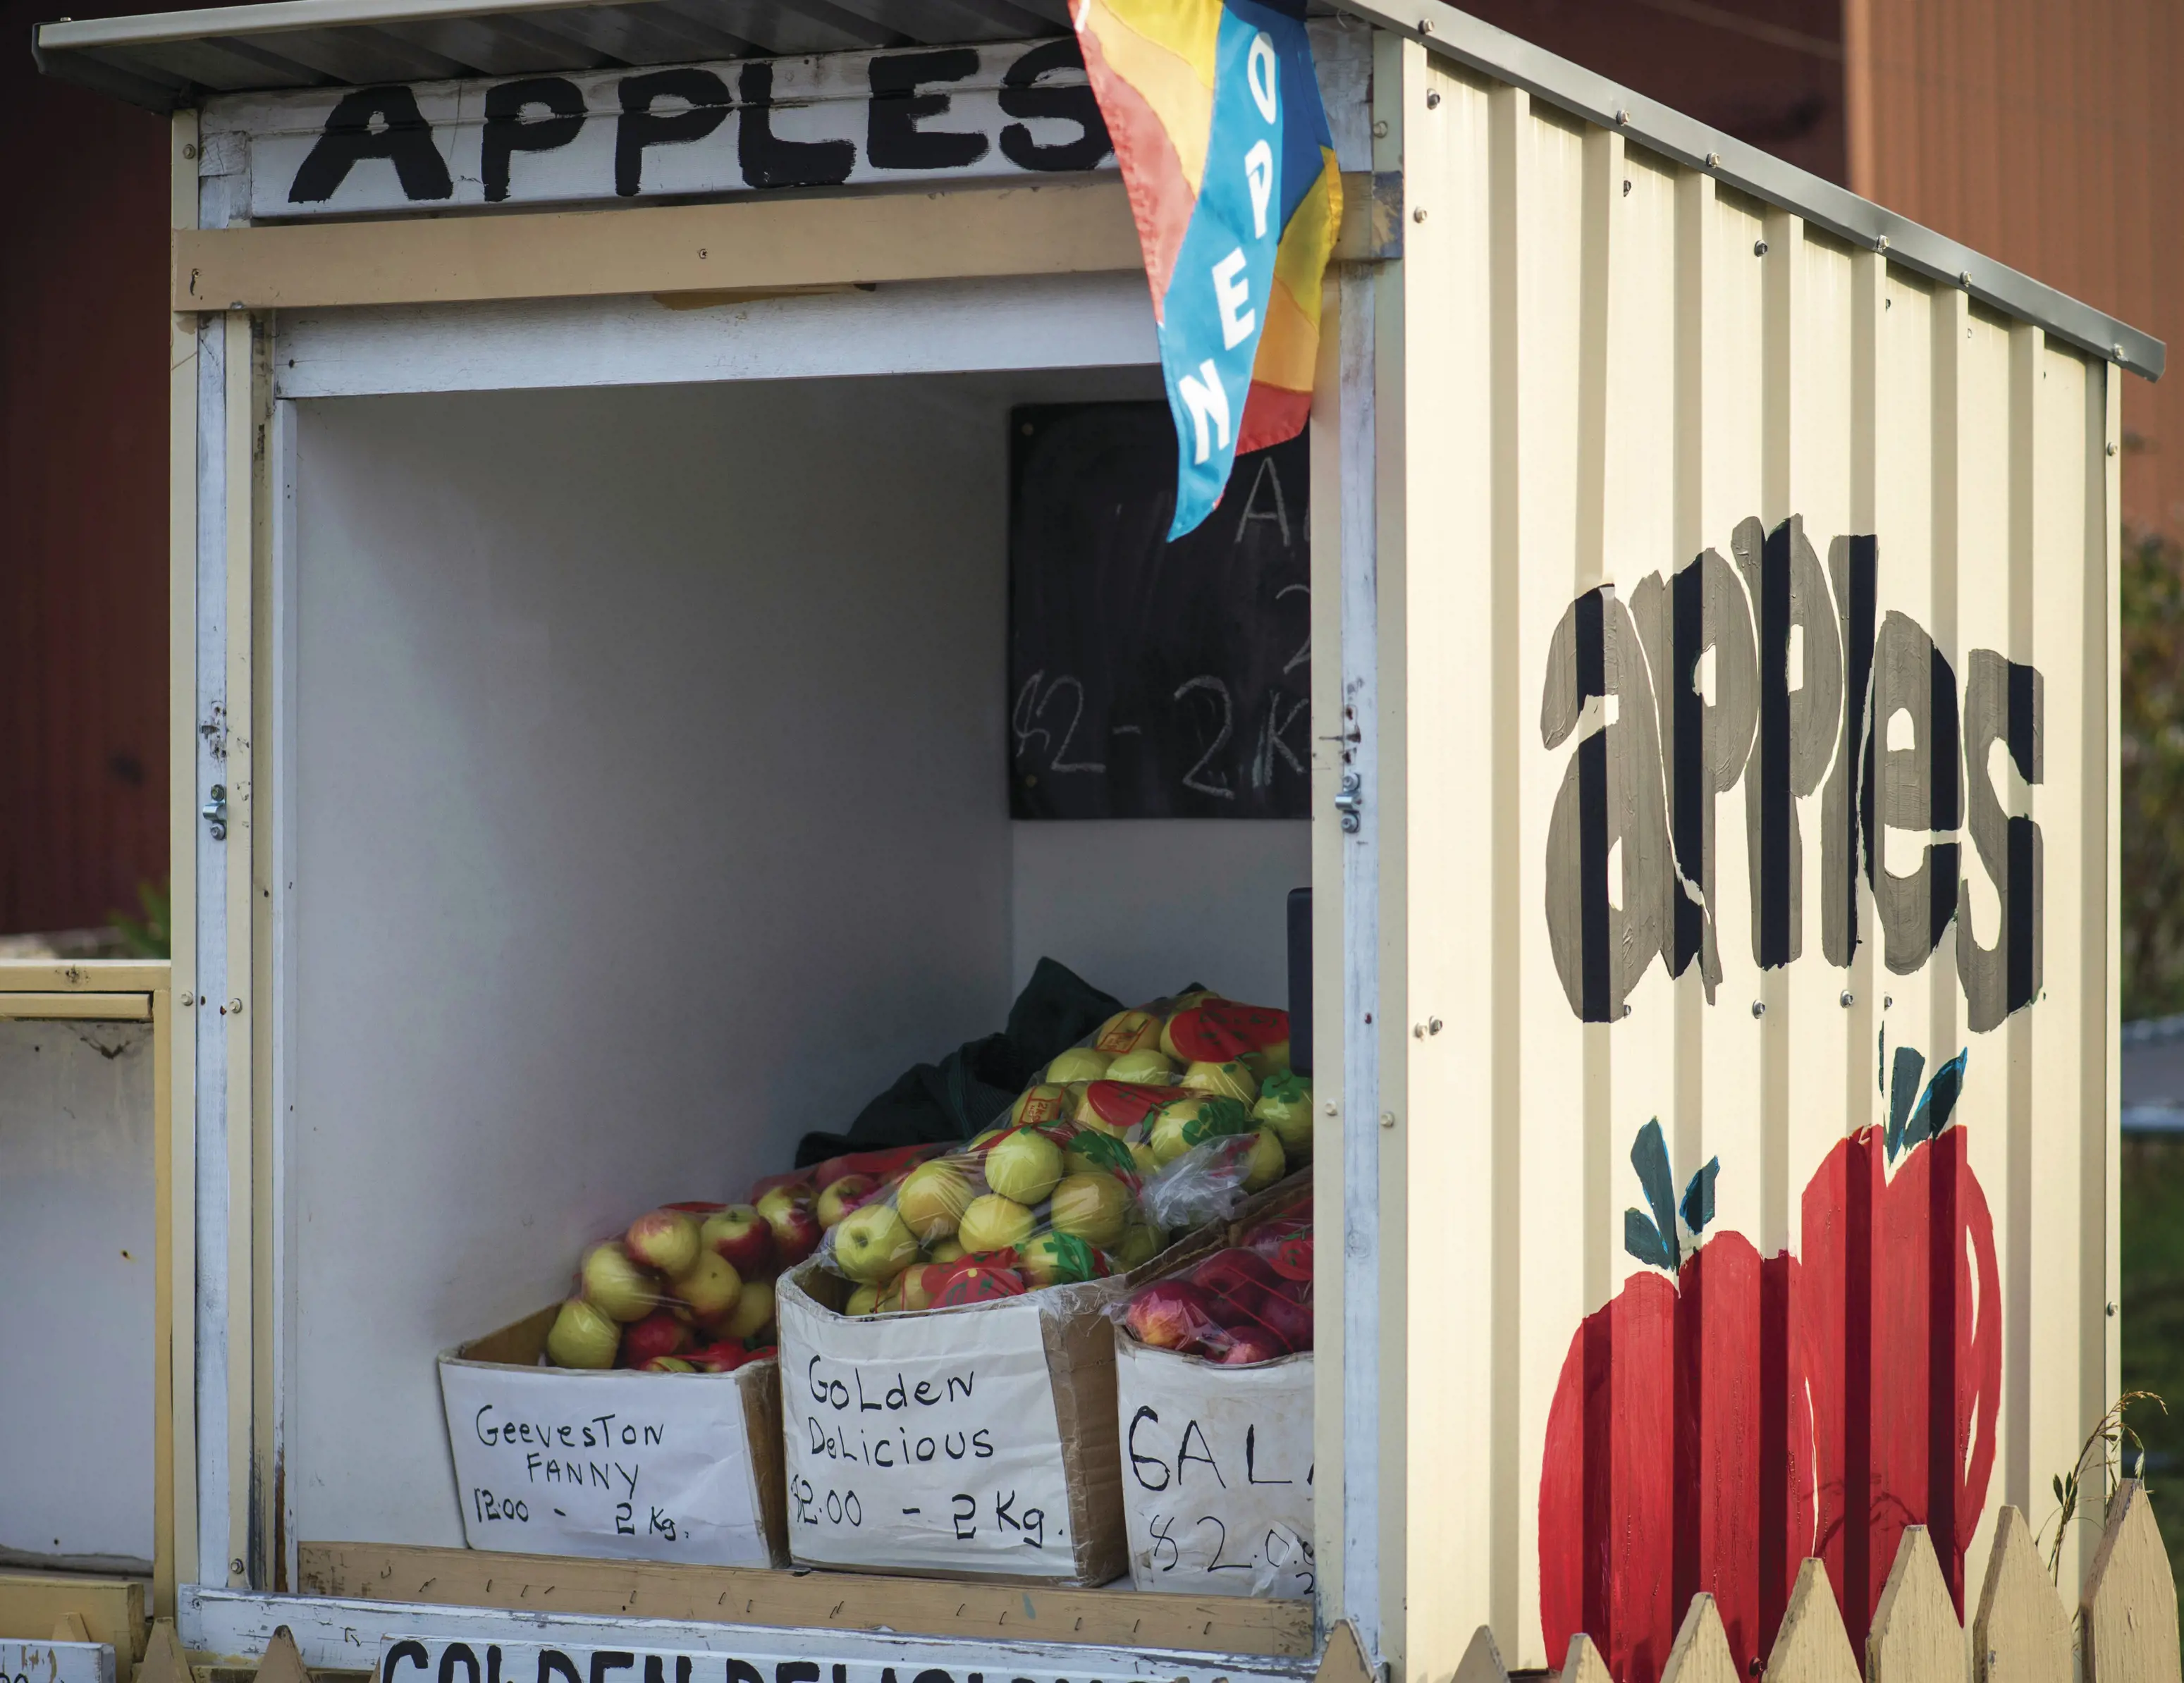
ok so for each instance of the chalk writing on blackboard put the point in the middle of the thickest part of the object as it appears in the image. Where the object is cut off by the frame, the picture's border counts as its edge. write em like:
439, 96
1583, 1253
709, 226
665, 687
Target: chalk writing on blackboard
1148, 679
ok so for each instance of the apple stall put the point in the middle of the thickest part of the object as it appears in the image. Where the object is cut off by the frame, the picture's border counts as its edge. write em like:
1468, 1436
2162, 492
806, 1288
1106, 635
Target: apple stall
805, 856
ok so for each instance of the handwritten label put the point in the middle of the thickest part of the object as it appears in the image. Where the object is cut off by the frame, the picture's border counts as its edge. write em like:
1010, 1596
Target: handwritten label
632, 1466
56, 1662
923, 1440
1216, 1473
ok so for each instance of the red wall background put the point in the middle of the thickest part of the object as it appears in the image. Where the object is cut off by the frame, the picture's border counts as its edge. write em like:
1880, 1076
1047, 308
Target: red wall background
83, 496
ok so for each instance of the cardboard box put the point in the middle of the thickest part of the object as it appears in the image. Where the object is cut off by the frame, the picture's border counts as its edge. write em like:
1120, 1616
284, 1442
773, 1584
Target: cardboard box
611, 1463
977, 1441
1217, 1472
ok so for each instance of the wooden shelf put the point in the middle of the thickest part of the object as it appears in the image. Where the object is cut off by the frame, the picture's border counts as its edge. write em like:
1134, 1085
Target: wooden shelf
803, 1599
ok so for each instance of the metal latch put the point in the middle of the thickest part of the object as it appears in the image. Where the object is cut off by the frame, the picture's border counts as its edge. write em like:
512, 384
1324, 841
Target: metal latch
215, 812
1351, 802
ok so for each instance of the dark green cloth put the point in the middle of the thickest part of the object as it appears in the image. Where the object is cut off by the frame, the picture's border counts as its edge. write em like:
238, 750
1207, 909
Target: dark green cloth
961, 1095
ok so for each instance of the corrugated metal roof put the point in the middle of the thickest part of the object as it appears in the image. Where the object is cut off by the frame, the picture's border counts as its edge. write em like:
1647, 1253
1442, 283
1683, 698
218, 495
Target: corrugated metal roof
175, 59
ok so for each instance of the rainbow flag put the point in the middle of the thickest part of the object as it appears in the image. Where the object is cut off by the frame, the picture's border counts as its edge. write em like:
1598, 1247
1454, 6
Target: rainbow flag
1226, 154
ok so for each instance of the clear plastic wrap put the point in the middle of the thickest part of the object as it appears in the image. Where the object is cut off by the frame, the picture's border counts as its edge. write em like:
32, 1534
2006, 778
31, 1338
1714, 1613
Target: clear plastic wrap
1249, 1303
1143, 1130
686, 1288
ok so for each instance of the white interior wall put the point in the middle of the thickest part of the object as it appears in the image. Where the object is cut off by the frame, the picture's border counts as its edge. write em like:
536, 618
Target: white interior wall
650, 811
77, 1214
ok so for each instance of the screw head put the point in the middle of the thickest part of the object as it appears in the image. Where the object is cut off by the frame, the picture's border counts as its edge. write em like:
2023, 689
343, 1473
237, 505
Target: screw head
1758, 1008
1387, 1118
1759, 248
1622, 115
1881, 244
1964, 277
1849, 999
1425, 25
1713, 160
1380, 128
2118, 352
1329, 1107
1417, 1031
189, 149
1419, 214
1433, 99
1433, 1025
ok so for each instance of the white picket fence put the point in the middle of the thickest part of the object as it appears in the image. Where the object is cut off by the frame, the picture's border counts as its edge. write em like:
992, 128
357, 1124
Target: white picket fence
2126, 1630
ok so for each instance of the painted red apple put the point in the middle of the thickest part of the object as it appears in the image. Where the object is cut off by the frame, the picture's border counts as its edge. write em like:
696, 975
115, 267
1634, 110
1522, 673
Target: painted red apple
724, 1356
1900, 1313
1675, 1461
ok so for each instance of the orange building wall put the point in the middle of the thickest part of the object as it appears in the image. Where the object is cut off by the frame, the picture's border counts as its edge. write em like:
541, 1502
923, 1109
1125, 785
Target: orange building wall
2050, 134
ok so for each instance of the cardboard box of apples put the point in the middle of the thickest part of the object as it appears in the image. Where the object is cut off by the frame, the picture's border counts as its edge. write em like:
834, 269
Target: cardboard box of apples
947, 1373
1213, 1398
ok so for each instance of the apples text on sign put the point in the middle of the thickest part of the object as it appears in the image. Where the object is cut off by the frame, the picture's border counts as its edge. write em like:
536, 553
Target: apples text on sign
1783, 676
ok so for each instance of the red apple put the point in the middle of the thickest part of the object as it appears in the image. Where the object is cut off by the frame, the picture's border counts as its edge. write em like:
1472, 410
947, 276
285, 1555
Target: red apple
1169, 1314
665, 1239
765, 1353
796, 1231
1250, 1344
722, 1358
741, 1235
842, 1196
659, 1334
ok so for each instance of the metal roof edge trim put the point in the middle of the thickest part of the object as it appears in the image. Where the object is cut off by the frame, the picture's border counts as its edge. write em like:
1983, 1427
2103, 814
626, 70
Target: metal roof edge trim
1443, 28
1571, 87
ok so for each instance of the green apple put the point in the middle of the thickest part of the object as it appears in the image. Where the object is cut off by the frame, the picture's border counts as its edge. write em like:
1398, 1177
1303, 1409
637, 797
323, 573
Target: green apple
995, 1223
1183, 1122
752, 1314
1079, 1063
1267, 1162
861, 1301
1285, 1105
1058, 1259
840, 1197
1093, 1206
871, 1245
584, 1336
1044, 1102
1147, 1161
1268, 1061
1128, 1032
710, 1286
1149, 1067
1023, 1167
933, 1197
947, 1250
1223, 1080
1094, 1149
1141, 1243
617, 1285
668, 1364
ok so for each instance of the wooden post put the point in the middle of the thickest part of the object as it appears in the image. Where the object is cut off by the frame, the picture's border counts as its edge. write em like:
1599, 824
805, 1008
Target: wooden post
2020, 1634
1916, 1637
1811, 1645
1482, 1660
163, 1660
2129, 1608
1585, 1665
283, 1662
1700, 1654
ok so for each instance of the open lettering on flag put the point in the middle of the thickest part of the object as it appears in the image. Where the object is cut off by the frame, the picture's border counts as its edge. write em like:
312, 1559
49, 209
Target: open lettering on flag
1226, 154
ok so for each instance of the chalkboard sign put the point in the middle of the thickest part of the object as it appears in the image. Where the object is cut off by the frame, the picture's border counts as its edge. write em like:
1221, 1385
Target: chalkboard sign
1148, 679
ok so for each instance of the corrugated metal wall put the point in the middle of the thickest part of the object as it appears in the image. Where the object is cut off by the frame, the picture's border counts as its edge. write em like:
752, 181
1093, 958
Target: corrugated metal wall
2049, 136
1622, 762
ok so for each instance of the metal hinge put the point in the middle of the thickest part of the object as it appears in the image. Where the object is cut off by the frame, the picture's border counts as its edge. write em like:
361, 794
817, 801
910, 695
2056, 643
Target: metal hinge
1351, 802
213, 811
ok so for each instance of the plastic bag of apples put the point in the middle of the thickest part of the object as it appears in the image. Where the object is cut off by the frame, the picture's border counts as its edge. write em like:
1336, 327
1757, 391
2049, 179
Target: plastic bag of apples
1247, 1304
1163, 1119
688, 1288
